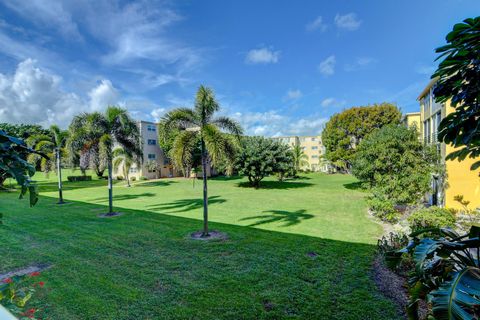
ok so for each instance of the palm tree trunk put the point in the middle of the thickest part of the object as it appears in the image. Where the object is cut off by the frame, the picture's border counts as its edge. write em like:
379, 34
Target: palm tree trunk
59, 169
205, 194
110, 186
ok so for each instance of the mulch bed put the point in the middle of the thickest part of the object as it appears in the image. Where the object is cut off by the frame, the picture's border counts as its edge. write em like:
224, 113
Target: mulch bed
110, 214
212, 235
24, 271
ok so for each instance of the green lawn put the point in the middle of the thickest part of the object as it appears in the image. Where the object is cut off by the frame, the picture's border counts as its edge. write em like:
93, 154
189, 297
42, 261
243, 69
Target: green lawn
142, 265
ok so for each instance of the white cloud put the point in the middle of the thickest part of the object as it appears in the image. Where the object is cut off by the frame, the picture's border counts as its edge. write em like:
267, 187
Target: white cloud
103, 95
327, 66
360, 63
47, 12
35, 95
157, 114
294, 94
332, 102
317, 24
271, 123
262, 56
349, 21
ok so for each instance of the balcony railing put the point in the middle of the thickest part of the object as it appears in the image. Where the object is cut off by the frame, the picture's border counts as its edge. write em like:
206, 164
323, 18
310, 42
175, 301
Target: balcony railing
431, 139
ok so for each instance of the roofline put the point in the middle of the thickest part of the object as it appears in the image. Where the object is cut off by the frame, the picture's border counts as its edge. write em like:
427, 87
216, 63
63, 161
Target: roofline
427, 88
412, 113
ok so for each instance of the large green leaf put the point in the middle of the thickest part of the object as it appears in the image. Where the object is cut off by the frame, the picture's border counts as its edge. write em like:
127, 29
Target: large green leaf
459, 298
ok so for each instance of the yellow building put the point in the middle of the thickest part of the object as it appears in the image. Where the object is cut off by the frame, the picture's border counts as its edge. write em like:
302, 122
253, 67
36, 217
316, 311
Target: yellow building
461, 180
312, 147
412, 119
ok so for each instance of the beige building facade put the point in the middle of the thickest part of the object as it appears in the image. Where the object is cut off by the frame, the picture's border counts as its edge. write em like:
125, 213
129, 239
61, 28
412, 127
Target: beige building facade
312, 147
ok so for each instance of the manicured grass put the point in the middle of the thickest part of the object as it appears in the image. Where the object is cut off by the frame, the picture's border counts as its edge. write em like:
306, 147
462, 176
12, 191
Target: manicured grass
142, 265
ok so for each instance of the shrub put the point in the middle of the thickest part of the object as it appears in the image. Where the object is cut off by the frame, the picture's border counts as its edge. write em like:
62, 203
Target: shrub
433, 217
143, 178
383, 208
119, 177
79, 178
133, 178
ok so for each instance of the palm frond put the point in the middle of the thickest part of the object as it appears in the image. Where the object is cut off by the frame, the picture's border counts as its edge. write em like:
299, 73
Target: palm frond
229, 125
182, 150
180, 118
219, 145
205, 104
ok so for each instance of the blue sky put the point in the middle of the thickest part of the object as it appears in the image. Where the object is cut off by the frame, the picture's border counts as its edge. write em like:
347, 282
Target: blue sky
278, 67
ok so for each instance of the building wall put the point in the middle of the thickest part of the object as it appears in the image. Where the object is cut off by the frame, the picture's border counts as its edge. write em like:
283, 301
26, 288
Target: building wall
313, 148
461, 180
412, 120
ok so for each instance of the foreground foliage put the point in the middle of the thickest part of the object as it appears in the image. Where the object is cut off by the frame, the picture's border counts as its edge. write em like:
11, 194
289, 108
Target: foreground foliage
447, 272
459, 82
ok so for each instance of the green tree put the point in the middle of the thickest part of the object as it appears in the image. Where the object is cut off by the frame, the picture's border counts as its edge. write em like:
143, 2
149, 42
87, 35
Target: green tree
344, 131
53, 145
199, 123
123, 160
395, 164
459, 82
13, 152
23, 131
261, 157
103, 131
300, 159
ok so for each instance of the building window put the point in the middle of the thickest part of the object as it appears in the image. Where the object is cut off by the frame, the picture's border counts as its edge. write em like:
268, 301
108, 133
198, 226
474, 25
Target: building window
133, 170
314, 148
314, 157
166, 161
151, 156
151, 142
151, 127
426, 130
314, 139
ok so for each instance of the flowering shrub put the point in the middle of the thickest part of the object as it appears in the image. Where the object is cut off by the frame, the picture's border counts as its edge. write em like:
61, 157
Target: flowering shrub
16, 292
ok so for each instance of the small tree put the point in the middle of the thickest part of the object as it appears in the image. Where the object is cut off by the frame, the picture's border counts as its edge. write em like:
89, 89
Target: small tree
124, 160
53, 145
199, 125
344, 131
261, 157
300, 159
459, 82
395, 164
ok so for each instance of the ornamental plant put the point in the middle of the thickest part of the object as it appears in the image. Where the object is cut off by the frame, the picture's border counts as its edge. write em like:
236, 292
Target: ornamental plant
16, 293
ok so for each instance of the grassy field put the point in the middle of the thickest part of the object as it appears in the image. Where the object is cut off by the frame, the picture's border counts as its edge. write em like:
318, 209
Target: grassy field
299, 249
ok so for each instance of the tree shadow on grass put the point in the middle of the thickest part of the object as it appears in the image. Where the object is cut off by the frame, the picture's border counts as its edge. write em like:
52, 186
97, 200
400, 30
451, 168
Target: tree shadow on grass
184, 205
289, 218
126, 196
67, 185
157, 183
277, 185
355, 186
226, 178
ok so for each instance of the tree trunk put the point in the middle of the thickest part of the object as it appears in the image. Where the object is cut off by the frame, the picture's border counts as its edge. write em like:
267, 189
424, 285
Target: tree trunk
205, 194
59, 170
110, 186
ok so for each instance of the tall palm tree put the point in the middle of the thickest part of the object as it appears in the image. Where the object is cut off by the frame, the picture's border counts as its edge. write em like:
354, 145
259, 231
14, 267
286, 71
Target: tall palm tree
114, 127
200, 124
53, 145
123, 160
299, 157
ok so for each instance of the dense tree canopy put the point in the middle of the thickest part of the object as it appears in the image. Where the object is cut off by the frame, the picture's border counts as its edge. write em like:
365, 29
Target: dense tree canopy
261, 157
459, 82
23, 131
395, 164
345, 130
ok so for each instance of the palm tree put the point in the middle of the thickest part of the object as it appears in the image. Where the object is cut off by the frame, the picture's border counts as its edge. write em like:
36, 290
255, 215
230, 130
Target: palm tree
115, 127
199, 124
299, 157
53, 146
123, 160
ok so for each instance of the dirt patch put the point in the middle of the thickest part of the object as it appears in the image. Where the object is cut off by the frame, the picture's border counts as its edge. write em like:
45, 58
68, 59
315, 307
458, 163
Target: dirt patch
392, 285
25, 271
212, 235
110, 214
